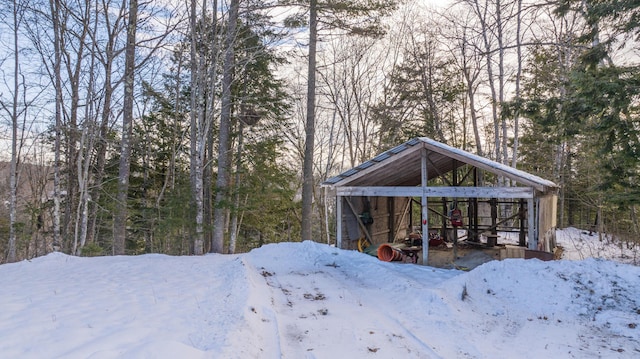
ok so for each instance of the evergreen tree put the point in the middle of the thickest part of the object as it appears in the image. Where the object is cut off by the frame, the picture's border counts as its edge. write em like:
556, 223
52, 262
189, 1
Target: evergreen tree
424, 94
584, 114
161, 217
603, 96
354, 17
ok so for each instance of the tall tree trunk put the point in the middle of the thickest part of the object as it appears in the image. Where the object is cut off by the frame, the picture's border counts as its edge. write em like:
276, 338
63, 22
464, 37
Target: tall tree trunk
120, 218
236, 197
170, 173
503, 121
307, 170
198, 131
82, 212
75, 72
471, 94
101, 152
193, 115
110, 54
207, 184
13, 180
55, 19
222, 181
516, 119
85, 161
211, 114
482, 16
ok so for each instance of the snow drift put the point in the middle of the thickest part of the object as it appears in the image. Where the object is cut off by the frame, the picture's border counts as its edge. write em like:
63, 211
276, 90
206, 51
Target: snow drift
309, 300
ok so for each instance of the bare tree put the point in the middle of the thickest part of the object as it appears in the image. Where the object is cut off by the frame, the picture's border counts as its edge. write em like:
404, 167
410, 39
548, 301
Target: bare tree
54, 6
501, 29
484, 16
351, 17
212, 111
516, 119
351, 85
120, 217
307, 168
203, 77
88, 138
458, 38
66, 68
111, 29
14, 113
196, 115
222, 180
22, 100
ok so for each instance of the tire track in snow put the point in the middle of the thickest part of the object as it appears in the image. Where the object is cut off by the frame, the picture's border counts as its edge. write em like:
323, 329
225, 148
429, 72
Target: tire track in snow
310, 304
421, 306
398, 316
264, 326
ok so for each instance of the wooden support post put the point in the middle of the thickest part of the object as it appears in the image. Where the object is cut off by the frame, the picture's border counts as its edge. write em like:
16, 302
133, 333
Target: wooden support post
522, 217
472, 233
455, 206
339, 222
533, 241
363, 227
445, 210
424, 206
398, 226
494, 215
474, 227
391, 208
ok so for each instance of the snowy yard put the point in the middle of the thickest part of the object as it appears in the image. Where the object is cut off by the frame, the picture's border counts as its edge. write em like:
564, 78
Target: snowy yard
309, 300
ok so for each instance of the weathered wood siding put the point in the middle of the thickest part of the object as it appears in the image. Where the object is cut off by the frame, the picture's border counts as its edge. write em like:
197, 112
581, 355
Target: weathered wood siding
390, 219
547, 214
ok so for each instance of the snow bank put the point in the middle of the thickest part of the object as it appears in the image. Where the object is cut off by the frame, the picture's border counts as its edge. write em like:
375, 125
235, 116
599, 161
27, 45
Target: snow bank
309, 300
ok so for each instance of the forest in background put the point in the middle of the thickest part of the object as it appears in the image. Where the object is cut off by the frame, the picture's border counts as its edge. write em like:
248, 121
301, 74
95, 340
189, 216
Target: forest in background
207, 126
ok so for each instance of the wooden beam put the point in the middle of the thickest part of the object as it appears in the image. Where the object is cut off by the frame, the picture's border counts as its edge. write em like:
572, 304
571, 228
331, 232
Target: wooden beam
533, 241
424, 207
362, 226
384, 163
491, 166
445, 191
399, 224
440, 174
339, 222
466, 175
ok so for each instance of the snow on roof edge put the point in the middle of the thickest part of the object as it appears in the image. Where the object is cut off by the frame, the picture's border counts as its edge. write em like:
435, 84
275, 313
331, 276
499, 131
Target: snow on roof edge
491, 163
389, 154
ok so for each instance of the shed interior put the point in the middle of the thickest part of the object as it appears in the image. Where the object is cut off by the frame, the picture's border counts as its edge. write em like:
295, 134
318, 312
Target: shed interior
466, 203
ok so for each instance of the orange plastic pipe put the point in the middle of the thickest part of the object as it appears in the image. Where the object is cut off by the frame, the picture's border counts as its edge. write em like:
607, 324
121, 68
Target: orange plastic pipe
387, 253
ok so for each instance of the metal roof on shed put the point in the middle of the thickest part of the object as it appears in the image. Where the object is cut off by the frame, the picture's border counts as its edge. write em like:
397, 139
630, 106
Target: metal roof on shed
401, 166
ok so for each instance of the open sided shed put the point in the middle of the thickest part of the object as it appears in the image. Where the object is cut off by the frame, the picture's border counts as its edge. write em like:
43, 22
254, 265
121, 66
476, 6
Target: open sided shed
374, 198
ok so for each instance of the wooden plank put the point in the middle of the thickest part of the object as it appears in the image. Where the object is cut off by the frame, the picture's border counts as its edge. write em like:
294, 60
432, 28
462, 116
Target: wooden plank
399, 224
401, 166
445, 191
533, 241
394, 158
339, 222
488, 165
362, 226
424, 206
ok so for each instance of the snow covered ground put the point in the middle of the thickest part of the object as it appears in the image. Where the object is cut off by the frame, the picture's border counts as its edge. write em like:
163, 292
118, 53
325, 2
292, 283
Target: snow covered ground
579, 244
309, 300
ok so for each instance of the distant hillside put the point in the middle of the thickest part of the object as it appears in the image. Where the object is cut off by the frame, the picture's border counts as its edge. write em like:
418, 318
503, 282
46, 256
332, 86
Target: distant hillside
35, 188
35, 182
